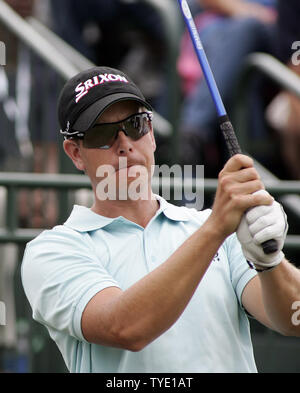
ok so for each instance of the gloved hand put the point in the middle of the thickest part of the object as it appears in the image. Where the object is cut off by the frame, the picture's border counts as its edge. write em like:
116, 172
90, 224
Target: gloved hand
258, 225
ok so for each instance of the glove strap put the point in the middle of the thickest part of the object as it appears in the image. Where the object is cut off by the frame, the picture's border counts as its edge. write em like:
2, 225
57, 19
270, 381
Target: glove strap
259, 270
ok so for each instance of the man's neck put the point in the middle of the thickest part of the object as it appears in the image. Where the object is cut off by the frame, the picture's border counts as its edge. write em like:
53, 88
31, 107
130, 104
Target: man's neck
140, 211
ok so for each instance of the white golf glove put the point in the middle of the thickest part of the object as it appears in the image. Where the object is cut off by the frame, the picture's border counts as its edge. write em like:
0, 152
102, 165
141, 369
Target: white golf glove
258, 225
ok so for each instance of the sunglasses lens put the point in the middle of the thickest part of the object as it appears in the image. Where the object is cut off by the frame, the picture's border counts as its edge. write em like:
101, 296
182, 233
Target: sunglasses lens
103, 135
137, 126
100, 137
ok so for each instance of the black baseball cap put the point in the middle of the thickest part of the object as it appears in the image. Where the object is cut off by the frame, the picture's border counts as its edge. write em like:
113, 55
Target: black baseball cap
89, 93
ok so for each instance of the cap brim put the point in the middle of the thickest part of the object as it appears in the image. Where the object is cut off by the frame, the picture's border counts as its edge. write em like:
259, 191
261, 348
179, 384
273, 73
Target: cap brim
87, 118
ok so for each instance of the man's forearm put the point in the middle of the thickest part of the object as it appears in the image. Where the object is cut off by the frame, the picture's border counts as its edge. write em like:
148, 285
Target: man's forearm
141, 313
133, 318
281, 291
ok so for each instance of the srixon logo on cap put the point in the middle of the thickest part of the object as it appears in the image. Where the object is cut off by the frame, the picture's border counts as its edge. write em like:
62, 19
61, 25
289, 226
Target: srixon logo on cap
83, 88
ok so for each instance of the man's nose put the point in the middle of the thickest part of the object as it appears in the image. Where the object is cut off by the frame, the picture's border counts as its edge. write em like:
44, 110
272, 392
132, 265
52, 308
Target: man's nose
124, 143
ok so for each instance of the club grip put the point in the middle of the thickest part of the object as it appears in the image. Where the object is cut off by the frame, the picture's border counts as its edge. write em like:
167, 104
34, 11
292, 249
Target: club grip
229, 136
233, 147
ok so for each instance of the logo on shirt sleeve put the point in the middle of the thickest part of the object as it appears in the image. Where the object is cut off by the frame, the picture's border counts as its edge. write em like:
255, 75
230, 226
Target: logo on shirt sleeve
216, 258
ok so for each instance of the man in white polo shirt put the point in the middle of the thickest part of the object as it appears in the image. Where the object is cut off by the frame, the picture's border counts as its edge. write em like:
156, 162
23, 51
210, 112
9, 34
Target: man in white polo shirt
138, 284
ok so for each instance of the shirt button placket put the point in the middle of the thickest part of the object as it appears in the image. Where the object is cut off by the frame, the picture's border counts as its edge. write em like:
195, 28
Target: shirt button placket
148, 251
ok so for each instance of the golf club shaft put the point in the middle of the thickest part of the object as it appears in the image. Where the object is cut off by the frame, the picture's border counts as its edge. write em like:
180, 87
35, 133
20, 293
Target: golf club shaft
226, 127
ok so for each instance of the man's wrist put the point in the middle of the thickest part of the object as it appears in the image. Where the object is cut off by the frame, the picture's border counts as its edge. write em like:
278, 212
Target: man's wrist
260, 269
214, 230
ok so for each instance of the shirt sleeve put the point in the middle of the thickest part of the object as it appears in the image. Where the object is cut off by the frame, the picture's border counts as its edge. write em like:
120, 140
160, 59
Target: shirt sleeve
60, 275
240, 272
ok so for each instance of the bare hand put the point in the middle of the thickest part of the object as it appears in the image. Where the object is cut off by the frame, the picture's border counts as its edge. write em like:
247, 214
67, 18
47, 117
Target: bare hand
237, 182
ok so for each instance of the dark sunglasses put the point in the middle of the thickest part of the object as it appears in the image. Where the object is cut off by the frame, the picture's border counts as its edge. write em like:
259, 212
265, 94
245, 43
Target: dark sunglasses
103, 135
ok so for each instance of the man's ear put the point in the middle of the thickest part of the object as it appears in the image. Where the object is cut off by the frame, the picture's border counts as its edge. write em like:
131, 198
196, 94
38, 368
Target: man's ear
72, 149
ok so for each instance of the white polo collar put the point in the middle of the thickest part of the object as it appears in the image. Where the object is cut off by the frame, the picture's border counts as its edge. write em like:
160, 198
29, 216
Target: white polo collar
83, 219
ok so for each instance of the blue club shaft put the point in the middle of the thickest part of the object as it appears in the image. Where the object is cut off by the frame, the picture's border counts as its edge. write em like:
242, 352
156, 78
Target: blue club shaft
269, 246
209, 77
